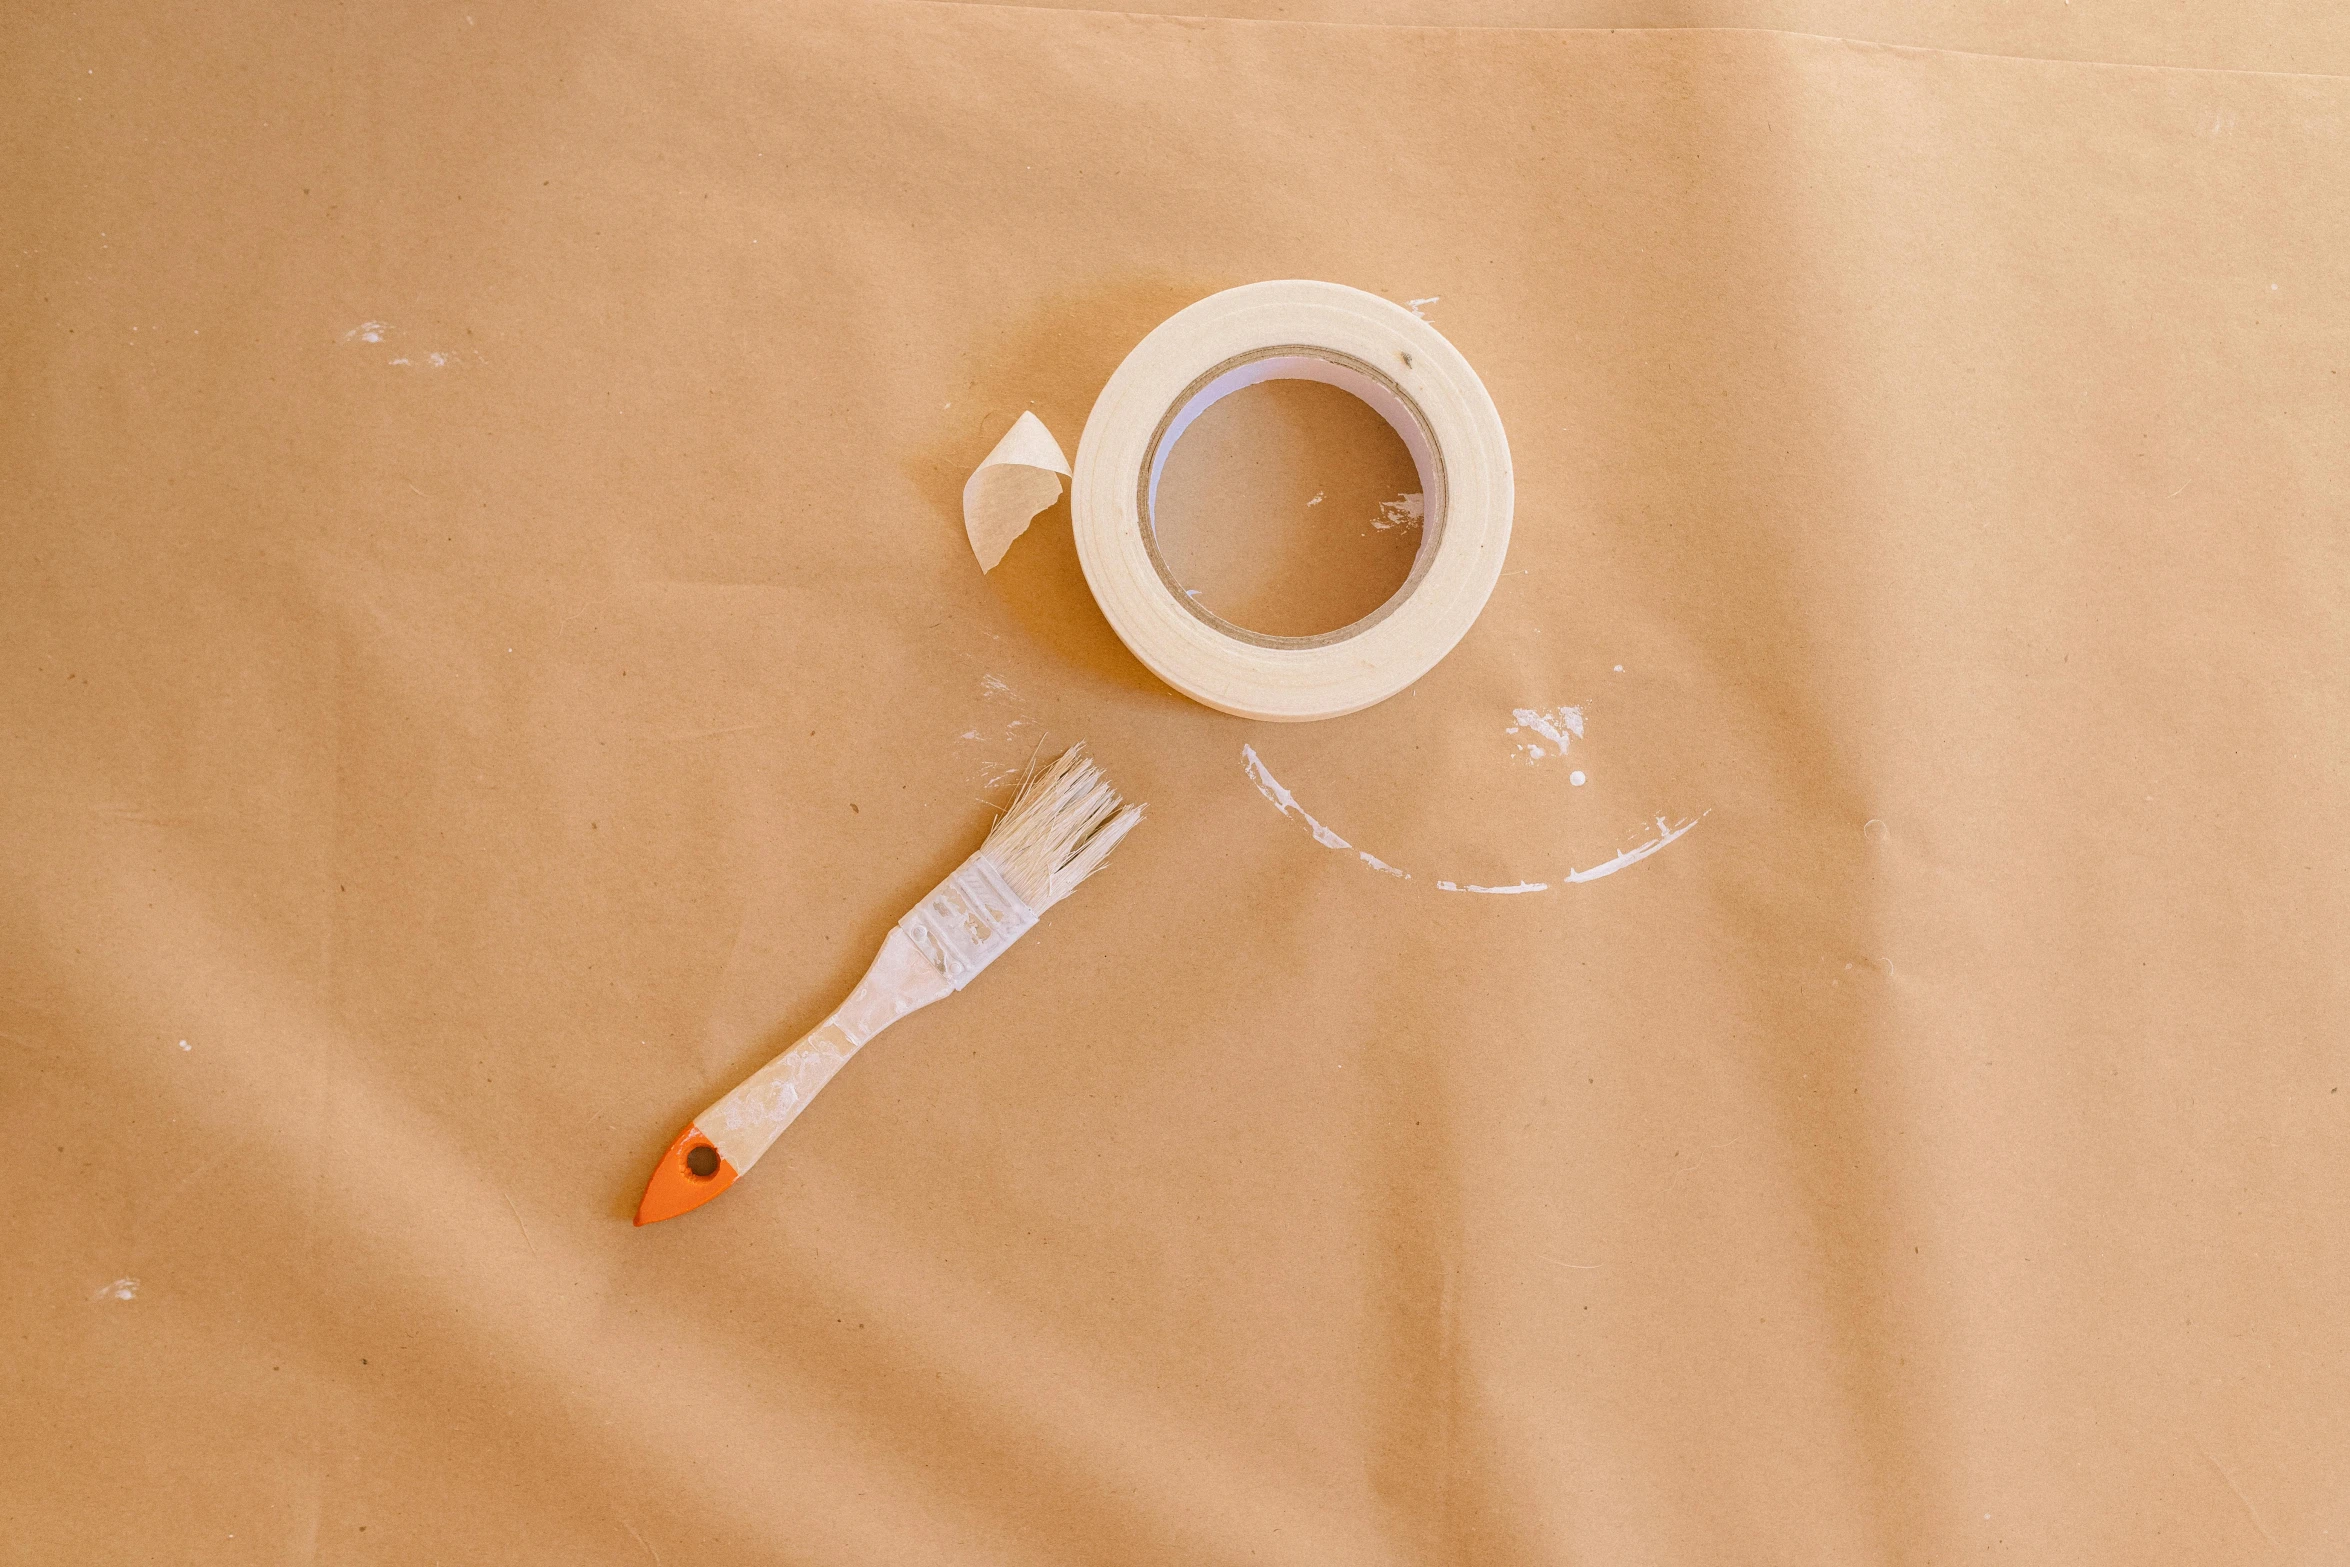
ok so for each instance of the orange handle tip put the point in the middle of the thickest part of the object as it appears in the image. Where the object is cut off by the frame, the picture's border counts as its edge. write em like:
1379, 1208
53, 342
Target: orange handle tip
691, 1172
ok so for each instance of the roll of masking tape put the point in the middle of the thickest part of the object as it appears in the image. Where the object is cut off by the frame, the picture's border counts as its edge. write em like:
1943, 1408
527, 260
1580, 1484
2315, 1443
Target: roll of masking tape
1343, 337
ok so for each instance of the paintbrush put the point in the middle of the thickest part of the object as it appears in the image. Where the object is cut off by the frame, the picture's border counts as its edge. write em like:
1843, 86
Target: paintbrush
1060, 827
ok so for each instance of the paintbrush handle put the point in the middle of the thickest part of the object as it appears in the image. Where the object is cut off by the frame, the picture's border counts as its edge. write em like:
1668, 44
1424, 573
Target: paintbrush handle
965, 924
745, 1124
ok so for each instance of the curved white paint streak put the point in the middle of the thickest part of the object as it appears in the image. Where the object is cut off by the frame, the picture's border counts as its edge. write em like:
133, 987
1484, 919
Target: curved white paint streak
1634, 856
1286, 803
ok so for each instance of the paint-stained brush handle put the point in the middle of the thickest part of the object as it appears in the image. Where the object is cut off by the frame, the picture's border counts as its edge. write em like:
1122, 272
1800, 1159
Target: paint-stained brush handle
694, 1169
1063, 823
965, 924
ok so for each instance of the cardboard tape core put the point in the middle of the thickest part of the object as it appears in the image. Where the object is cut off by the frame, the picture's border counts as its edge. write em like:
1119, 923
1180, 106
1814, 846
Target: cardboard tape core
1295, 362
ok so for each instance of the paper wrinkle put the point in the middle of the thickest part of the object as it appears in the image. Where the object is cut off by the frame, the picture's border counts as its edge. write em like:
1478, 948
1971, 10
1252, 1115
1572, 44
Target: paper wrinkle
1020, 478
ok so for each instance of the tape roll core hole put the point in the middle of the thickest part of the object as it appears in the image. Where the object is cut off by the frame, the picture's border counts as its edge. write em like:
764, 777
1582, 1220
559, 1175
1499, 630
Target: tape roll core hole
1304, 508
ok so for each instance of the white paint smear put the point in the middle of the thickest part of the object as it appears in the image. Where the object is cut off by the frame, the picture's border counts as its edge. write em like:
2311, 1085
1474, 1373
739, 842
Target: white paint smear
1415, 304
1559, 725
120, 1289
1286, 803
1635, 856
1317, 500
1405, 511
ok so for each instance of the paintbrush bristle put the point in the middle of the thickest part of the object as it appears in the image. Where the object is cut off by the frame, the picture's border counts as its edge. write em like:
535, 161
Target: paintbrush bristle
1060, 828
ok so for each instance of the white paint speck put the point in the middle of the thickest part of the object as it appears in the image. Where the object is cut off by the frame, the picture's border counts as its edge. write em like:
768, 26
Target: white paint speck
1619, 669
1524, 886
970, 734
1317, 500
367, 332
1577, 779
183, 1044
989, 685
120, 1289
1432, 299
1405, 511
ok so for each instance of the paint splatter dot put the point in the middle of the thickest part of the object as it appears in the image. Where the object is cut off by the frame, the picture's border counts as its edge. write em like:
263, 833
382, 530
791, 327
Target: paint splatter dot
1876, 831
1577, 779
183, 1044
120, 1289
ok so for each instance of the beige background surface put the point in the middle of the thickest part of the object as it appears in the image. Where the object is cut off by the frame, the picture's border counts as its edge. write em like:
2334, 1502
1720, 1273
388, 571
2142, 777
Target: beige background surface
479, 761
2289, 36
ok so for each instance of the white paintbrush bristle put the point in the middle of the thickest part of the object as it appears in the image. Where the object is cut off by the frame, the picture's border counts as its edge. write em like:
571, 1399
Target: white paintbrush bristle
1060, 828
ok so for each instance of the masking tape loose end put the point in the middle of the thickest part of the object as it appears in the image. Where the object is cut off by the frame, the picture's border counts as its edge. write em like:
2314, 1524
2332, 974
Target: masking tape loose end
1020, 478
